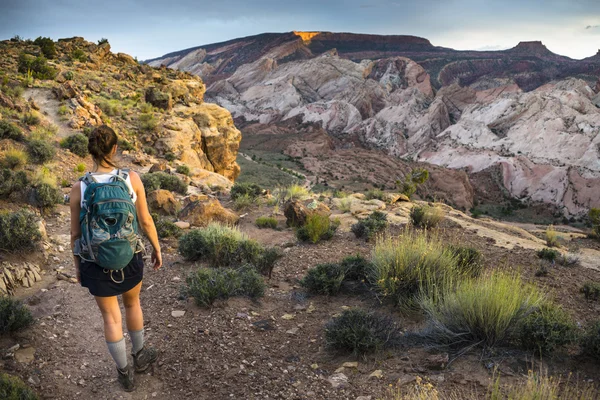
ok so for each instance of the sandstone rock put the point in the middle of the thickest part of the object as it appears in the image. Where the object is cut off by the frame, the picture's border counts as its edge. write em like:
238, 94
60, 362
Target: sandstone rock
177, 314
201, 213
94, 86
126, 58
25, 356
182, 225
163, 202
377, 374
297, 212
159, 99
5, 101
65, 91
338, 380
159, 167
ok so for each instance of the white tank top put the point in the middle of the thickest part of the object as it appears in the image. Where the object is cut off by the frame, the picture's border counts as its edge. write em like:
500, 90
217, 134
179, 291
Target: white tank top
104, 177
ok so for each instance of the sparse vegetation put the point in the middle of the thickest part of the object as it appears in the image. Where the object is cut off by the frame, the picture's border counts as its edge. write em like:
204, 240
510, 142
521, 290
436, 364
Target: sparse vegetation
45, 196
324, 279
417, 177
376, 194
14, 159
147, 122
44, 132
551, 237
251, 190
411, 265
40, 151
367, 228
360, 332
266, 222
426, 216
14, 315
31, 119
484, 311
183, 169
10, 131
244, 202
161, 180
317, 227
13, 388
548, 254
166, 228
126, 145
18, 230
546, 329
591, 290
469, 260
345, 204
79, 55
12, 183
77, 144
206, 285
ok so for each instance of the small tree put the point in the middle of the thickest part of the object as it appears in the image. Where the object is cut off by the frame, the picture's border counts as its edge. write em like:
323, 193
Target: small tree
417, 177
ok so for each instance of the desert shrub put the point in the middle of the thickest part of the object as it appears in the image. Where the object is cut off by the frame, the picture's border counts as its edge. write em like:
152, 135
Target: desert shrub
266, 222
79, 167
590, 341
112, 107
594, 215
377, 194
47, 46
356, 268
18, 230
245, 189
359, 332
426, 216
79, 55
243, 202
551, 237
324, 279
44, 132
126, 145
14, 315
12, 182
170, 156
10, 131
548, 254
147, 122
102, 41
13, 388
266, 262
468, 259
317, 227
40, 151
161, 180
63, 110
183, 169
546, 329
166, 228
31, 119
14, 159
35, 67
412, 264
591, 290
483, 311
223, 246
151, 151
568, 260
345, 205
45, 196
206, 285
370, 226
69, 75
409, 185
77, 144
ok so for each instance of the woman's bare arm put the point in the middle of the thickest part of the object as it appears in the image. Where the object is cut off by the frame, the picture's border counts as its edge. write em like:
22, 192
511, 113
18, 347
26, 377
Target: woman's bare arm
145, 219
75, 203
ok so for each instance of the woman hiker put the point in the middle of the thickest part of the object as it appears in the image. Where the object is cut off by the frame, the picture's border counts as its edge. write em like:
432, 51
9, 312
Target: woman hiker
108, 252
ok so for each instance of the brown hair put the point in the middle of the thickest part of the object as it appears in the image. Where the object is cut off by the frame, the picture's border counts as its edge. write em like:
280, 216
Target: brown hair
100, 145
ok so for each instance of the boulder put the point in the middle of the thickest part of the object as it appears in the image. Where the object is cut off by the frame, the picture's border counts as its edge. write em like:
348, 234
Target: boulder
65, 91
201, 213
296, 212
159, 99
163, 202
395, 197
126, 58
5, 101
159, 167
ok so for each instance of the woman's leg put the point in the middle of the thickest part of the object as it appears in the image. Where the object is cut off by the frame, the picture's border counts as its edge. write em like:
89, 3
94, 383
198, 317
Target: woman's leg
134, 317
113, 329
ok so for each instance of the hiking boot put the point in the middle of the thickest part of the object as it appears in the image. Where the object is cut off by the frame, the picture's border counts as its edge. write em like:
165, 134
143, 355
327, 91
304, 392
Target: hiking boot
144, 358
126, 378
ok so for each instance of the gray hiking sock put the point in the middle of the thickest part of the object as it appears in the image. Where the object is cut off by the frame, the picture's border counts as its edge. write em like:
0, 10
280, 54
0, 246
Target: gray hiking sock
118, 351
137, 340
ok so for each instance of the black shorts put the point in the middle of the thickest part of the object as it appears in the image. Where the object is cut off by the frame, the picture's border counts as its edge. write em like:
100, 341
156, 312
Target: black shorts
100, 283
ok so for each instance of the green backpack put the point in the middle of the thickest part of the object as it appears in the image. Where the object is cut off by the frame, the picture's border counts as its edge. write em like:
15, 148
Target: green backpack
109, 228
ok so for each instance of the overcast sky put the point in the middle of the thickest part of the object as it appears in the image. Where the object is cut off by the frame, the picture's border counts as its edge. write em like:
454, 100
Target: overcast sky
151, 28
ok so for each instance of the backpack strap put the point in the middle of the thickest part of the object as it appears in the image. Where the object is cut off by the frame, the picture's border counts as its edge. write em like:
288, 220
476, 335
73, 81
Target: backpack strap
122, 175
88, 179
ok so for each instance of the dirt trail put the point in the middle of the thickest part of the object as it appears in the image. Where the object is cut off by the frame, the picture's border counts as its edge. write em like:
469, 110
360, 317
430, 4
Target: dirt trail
49, 107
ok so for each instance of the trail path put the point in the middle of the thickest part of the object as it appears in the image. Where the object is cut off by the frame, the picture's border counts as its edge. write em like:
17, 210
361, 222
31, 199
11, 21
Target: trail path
49, 107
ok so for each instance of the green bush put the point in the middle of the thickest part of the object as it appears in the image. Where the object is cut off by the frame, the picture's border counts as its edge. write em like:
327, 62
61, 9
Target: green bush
79, 167
485, 311
13, 388
243, 202
10, 131
111, 107
151, 151
14, 315
47, 46
31, 119
77, 144
79, 55
126, 145
44, 132
426, 216
417, 177
147, 122
590, 341
18, 230
375, 194
40, 151
45, 196
183, 169
361, 332
551, 237
548, 254
324, 279
170, 156
14, 159
546, 329
69, 75
161, 180
317, 227
469, 260
412, 265
591, 290
356, 268
102, 41
12, 182
370, 226
245, 189
36, 66
206, 285
222, 246
166, 228
266, 222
